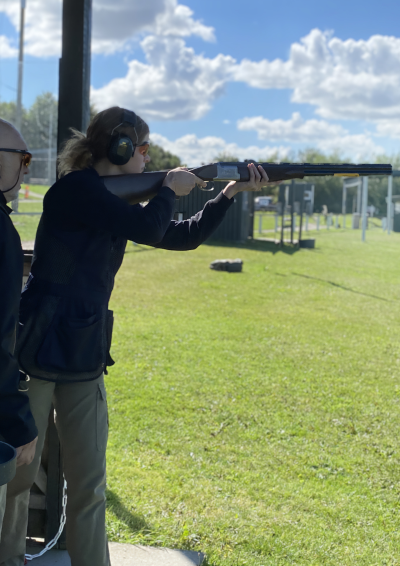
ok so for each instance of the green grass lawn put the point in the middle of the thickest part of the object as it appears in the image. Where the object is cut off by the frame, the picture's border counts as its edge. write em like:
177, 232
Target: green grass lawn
26, 224
256, 416
268, 224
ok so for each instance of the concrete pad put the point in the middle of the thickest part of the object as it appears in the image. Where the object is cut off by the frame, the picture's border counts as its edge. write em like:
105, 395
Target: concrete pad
50, 558
128, 555
137, 555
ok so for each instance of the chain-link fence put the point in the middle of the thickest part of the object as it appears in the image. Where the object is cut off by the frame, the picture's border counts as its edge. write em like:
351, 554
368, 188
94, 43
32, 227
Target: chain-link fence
42, 170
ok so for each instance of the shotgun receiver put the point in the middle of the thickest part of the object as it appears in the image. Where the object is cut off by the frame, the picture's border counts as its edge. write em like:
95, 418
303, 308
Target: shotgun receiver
143, 186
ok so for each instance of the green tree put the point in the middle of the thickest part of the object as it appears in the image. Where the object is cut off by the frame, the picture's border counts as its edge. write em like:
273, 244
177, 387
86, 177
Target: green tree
161, 159
225, 157
38, 122
40, 127
8, 111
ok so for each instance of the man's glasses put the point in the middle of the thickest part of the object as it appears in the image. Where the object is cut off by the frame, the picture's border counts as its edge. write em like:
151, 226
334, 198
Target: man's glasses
144, 148
27, 157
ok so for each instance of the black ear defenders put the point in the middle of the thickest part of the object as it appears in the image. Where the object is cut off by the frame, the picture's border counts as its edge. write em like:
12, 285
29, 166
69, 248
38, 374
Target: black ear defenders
121, 147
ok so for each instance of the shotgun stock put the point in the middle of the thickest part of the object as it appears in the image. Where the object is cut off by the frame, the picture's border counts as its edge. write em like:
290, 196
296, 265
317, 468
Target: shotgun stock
144, 186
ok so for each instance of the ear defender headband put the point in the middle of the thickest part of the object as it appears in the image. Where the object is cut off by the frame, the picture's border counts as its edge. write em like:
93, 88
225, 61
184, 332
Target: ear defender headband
121, 147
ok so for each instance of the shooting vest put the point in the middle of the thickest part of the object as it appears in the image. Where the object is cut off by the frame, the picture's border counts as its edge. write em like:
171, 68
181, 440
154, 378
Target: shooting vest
65, 326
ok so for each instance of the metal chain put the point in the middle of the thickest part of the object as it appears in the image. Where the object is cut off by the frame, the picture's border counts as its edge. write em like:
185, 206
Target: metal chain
60, 530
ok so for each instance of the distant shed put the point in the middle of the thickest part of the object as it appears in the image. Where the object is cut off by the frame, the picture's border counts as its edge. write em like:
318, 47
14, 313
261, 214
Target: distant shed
237, 225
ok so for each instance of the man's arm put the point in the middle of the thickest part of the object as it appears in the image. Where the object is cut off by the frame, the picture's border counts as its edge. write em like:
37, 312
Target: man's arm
17, 425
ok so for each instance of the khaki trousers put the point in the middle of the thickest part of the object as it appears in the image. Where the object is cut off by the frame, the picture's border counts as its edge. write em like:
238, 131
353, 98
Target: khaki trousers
82, 425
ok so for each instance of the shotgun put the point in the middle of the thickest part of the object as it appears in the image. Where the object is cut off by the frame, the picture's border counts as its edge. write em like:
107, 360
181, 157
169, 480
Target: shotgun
140, 187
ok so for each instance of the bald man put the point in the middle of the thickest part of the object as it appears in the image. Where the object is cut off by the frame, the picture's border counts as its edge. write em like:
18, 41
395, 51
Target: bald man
17, 426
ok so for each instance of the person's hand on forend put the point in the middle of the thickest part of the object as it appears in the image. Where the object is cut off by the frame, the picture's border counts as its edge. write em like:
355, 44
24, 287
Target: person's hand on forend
258, 179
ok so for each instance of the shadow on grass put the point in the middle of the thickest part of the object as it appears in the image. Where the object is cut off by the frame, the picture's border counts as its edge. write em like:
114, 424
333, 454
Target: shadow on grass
257, 245
344, 288
139, 248
131, 520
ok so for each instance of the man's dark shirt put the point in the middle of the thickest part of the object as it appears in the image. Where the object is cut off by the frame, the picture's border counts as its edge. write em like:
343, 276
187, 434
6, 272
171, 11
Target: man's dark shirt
17, 426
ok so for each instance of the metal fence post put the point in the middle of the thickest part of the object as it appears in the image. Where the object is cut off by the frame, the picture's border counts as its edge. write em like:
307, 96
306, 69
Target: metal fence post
364, 206
389, 203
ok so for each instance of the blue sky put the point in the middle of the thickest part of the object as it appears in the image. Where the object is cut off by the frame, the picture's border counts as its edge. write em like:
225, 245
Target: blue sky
231, 76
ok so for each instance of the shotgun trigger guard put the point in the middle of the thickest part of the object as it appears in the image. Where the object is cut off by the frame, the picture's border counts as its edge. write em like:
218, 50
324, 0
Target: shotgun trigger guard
227, 173
210, 187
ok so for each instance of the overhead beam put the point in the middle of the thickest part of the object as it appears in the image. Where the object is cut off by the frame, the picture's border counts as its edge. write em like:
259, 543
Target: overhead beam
74, 77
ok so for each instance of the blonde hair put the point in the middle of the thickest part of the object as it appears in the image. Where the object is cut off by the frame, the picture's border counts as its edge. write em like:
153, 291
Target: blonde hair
83, 151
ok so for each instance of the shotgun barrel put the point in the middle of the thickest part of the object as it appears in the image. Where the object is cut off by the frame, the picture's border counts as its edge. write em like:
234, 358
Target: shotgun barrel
144, 186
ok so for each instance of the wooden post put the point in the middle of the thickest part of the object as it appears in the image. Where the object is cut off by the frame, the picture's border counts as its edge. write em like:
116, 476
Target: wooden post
74, 79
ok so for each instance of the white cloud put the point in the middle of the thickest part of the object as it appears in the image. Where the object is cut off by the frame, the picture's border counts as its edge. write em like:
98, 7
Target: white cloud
43, 33
295, 130
6, 49
318, 133
115, 25
388, 128
358, 147
176, 20
343, 79
193, 150
174, 84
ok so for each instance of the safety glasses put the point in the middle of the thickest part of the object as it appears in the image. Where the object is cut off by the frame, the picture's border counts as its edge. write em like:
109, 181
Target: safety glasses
144, 148
27, 157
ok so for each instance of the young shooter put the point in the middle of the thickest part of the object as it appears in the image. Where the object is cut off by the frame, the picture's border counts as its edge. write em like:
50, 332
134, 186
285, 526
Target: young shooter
65, 323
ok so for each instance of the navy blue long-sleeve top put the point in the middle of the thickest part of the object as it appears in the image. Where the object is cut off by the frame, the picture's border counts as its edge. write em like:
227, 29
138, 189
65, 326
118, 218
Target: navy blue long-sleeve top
17, 426
79, 248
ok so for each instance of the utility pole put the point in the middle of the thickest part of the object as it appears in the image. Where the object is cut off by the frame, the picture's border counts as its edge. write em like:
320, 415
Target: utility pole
18, 118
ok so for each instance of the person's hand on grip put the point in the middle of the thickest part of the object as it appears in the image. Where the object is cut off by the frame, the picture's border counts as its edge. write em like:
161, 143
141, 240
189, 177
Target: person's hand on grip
182, 181
26, 453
